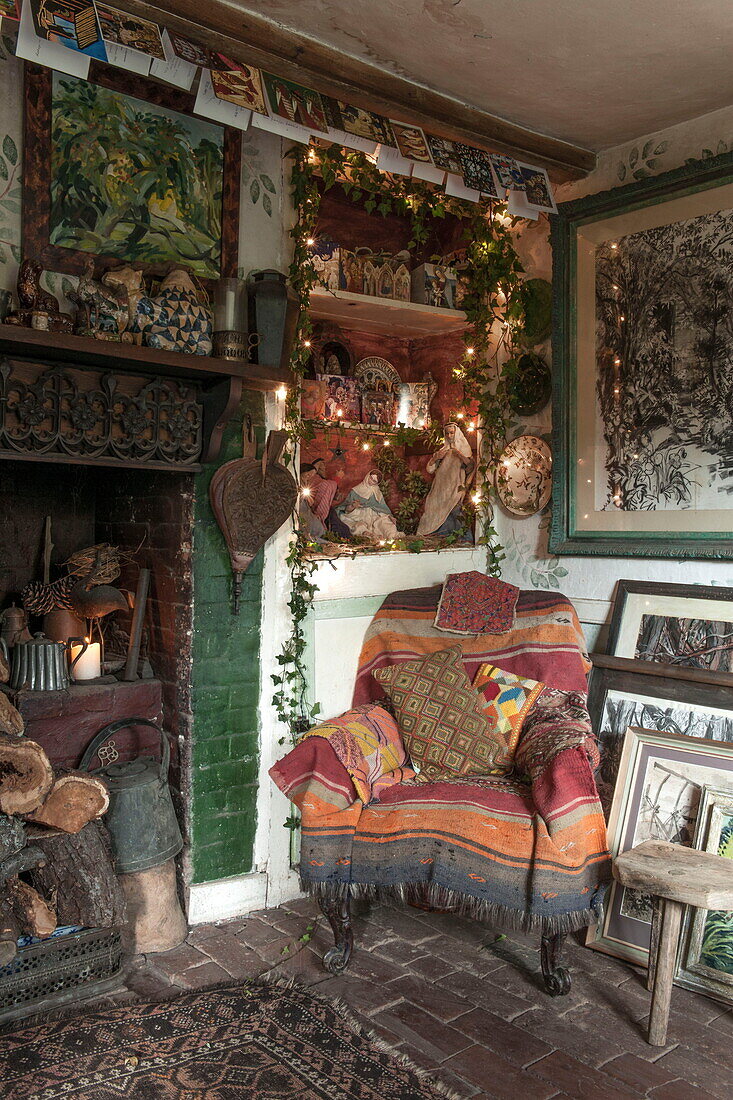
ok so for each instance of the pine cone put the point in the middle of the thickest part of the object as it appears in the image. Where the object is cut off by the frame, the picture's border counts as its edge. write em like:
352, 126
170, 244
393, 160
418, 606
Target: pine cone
39, 598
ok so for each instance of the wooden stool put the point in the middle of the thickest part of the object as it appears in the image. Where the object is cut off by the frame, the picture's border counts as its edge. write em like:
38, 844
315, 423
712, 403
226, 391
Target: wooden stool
676, 877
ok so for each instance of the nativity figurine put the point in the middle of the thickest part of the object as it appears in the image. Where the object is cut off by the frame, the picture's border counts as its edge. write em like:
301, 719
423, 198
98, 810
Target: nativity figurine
316, 497
366, 513
453, 467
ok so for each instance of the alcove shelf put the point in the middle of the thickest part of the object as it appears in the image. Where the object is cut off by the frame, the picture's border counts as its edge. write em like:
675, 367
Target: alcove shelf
385, 316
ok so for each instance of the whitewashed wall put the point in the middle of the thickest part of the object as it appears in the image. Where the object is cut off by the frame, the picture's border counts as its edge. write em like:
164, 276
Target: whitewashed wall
589, 581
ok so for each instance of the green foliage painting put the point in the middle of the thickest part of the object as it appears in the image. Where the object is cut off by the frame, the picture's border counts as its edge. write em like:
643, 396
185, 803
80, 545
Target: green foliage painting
134, 180
717, 940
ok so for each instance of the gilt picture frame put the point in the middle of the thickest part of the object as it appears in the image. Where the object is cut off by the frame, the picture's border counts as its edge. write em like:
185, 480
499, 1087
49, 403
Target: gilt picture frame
192, 224
640, 454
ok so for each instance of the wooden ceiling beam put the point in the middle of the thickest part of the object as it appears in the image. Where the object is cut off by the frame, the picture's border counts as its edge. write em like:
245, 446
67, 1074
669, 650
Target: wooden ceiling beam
258, 41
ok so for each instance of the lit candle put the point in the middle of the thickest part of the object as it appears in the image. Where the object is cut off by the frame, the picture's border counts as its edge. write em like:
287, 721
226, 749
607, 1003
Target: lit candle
89, 665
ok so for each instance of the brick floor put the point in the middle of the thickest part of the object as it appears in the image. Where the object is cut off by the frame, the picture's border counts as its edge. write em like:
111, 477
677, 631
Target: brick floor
468, 1005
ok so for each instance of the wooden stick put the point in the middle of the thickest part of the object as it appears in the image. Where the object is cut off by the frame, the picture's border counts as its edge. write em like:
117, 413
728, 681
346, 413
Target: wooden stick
47, 551
136, 630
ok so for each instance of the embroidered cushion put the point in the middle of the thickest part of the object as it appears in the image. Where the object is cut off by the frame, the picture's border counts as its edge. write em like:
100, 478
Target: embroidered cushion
440, 716
507, 699
472, 603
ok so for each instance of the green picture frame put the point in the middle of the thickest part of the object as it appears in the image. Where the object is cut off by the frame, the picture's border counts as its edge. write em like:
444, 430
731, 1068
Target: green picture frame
672, 526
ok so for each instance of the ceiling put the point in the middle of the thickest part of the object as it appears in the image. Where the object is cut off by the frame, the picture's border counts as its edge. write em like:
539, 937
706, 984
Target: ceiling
593, 73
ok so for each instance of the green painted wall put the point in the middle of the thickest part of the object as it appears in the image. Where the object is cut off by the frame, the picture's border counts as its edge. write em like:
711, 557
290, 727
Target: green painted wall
225, 686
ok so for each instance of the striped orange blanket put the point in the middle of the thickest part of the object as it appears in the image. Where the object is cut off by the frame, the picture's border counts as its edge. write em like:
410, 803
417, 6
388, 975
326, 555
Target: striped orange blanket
545, 644
527, 852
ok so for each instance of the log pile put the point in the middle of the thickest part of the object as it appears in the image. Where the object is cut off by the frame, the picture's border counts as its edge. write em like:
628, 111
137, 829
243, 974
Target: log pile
55, 862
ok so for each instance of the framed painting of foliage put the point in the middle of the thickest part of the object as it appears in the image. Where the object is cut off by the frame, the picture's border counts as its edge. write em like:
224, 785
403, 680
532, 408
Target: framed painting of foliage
643, 347
118, 168
706, 951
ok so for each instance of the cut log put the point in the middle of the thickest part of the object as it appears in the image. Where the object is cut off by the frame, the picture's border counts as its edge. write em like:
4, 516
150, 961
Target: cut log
11, 720
4, 668
25, 774
34, 915
79, 875
12, 836
73, 801
9, 932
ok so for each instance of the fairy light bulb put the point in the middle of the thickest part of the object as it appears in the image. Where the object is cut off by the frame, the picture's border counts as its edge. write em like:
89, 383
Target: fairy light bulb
310, 242
282, 393
476, 498
306, 343
339, 412
460, 416
386, 443
470, 351
366, 446
306, 492
472, 427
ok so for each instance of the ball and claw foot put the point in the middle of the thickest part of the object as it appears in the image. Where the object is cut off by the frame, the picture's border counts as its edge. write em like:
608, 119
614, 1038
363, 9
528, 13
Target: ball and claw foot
556, 977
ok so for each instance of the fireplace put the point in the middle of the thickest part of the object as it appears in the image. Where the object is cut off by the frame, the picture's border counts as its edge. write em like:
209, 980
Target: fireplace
148, 514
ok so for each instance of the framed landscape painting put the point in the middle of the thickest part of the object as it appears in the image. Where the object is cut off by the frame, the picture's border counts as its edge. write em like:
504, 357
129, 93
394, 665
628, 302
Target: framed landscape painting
643, 460
119, 169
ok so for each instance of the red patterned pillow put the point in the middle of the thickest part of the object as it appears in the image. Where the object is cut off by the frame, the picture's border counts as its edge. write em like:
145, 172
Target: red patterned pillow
508, 700
440, 716
472, 603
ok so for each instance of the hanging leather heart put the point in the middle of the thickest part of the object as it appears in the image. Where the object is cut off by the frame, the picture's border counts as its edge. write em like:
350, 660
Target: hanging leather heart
251, 500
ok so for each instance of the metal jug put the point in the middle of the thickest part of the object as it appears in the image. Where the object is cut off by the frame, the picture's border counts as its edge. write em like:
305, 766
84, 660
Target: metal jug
38, 665
141, 819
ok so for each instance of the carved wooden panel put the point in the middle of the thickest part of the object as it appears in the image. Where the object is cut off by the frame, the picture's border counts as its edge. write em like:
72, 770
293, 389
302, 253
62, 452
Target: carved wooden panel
93, 416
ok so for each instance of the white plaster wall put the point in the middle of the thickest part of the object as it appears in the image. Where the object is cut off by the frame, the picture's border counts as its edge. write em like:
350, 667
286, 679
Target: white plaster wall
590, 581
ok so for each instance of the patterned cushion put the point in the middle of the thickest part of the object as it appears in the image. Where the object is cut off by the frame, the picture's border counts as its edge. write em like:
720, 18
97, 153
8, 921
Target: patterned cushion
472, 603
440, 716
507, 701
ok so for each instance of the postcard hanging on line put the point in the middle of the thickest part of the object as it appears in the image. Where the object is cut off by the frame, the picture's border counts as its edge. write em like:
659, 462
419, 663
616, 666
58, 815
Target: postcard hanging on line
30, 47
211, 106
538, 188
174, 70
69, 23
237, 83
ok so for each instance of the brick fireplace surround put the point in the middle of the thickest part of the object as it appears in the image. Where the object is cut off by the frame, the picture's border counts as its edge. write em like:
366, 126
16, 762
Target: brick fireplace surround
205, 661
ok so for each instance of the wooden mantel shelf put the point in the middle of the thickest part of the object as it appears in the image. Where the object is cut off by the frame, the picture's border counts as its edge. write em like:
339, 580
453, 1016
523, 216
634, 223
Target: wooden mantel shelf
84, 351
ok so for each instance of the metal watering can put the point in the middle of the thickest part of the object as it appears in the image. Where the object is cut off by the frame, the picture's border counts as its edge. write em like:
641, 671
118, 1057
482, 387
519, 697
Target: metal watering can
141, 819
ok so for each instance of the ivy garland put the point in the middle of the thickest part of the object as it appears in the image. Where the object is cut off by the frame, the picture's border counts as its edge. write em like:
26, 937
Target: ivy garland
495, 305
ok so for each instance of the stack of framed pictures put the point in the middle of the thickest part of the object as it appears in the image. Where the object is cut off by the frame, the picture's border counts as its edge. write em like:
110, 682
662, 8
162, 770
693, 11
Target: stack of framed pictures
661, 703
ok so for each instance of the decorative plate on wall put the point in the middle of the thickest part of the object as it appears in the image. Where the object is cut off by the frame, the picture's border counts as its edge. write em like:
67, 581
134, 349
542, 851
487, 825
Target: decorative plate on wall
530, 388
524, 475
374, 373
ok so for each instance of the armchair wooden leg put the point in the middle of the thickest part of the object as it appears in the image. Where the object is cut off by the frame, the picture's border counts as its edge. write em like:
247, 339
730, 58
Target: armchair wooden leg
338, 912
557, 978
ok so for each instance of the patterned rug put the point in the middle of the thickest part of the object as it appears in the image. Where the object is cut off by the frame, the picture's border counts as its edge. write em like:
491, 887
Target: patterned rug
249, 1042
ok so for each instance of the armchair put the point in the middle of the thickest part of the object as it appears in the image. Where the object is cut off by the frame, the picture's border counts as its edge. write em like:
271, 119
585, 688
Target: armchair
526, 851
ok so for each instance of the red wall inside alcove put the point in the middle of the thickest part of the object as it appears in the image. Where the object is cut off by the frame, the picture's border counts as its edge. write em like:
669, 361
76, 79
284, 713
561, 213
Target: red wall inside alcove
412, 359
